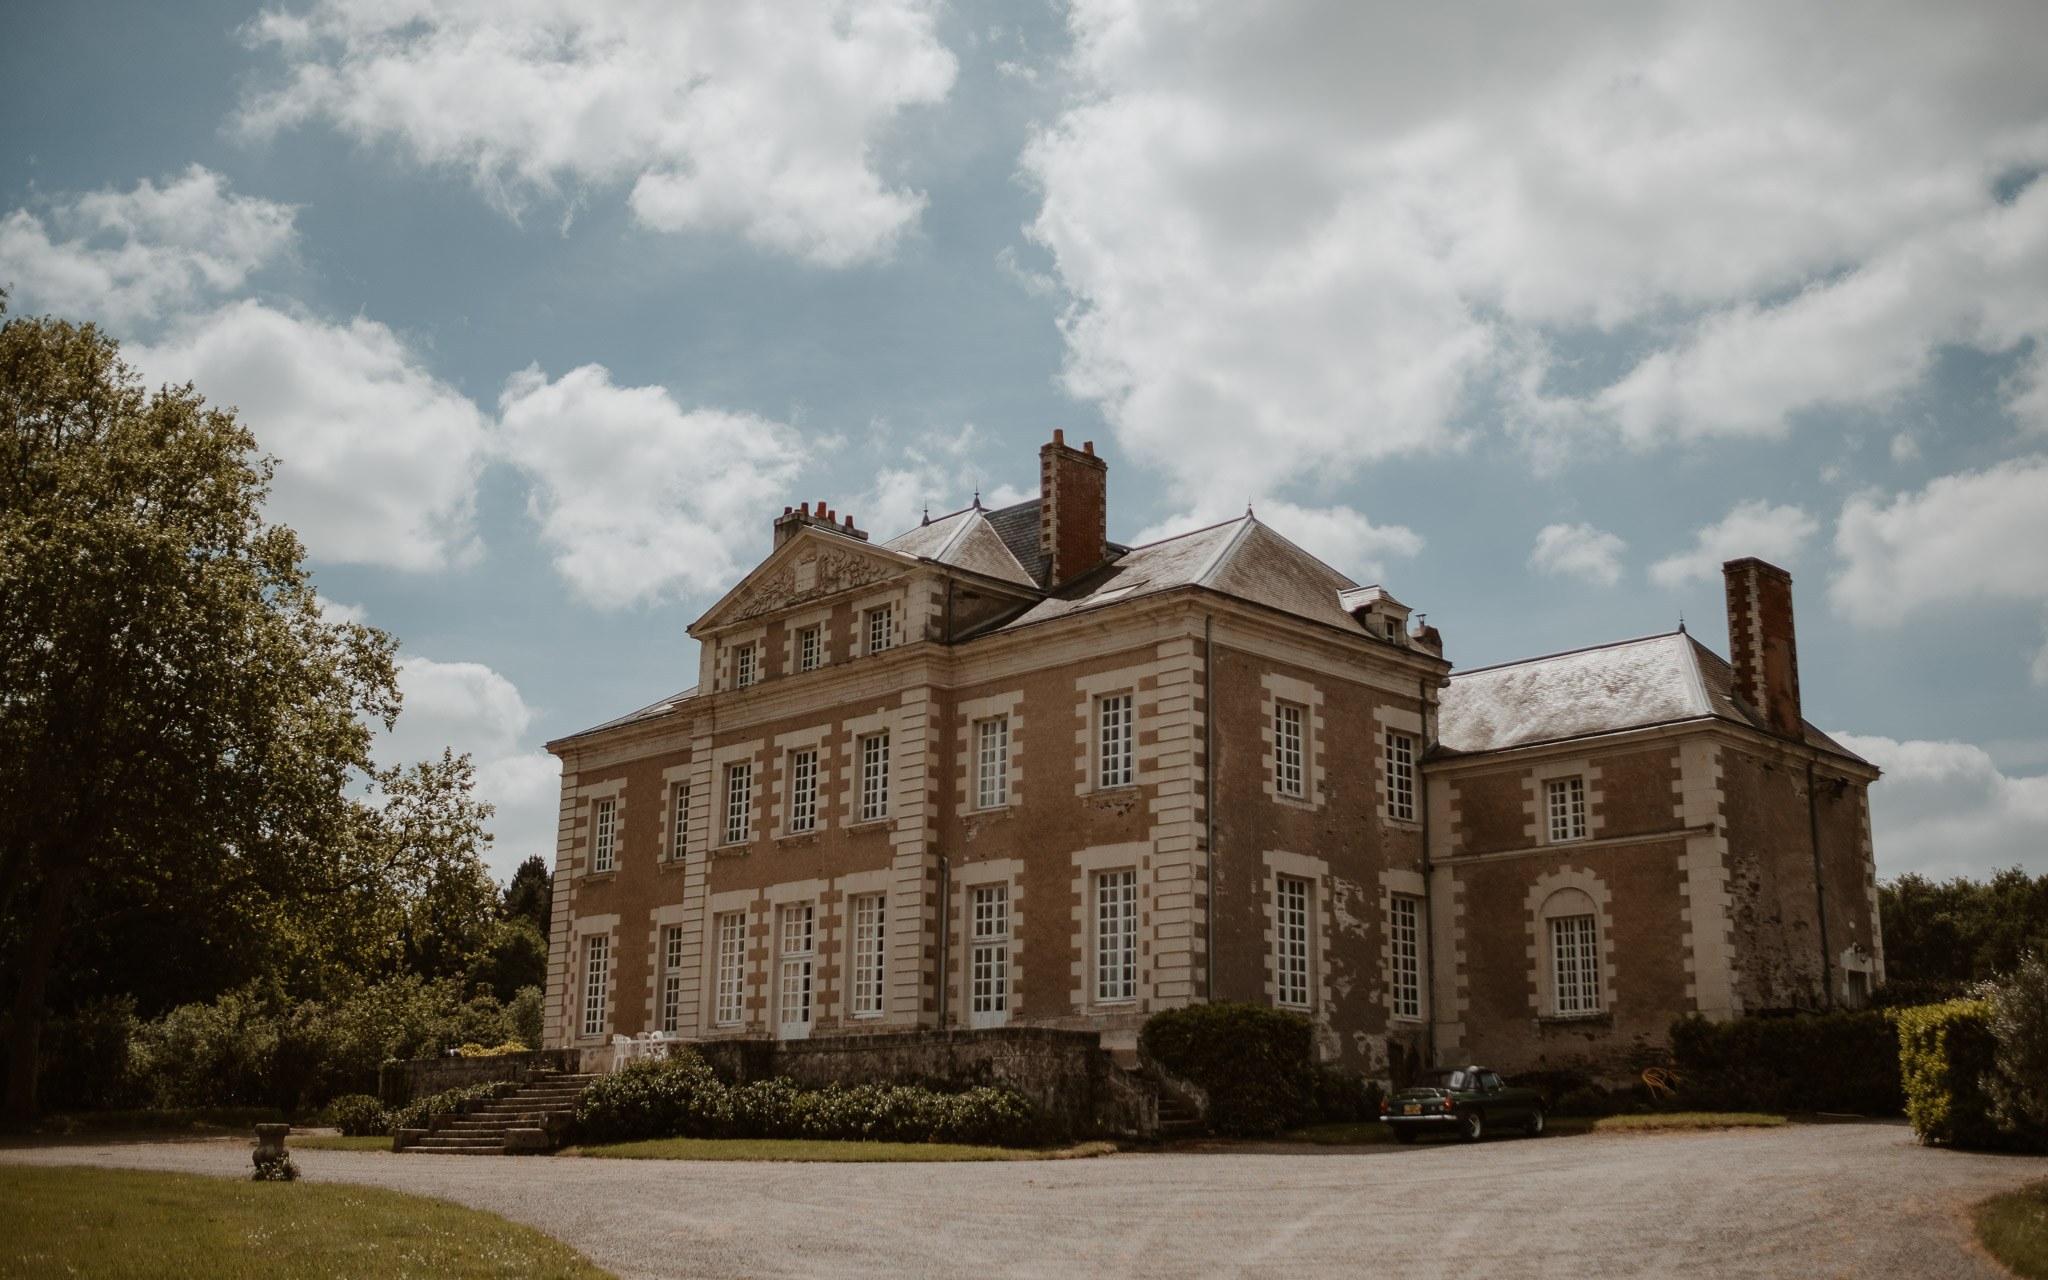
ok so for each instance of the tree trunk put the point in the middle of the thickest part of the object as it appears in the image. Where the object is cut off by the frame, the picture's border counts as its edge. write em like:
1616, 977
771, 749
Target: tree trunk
25, 1028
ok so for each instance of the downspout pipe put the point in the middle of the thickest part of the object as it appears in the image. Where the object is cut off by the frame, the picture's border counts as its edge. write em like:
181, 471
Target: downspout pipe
1209, 794
1820, 893
1428, 871
945, 908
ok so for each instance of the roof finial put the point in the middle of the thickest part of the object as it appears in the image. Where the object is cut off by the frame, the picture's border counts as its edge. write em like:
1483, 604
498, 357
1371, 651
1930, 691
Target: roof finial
1681, 622
927, 514
977, 497
1248, 508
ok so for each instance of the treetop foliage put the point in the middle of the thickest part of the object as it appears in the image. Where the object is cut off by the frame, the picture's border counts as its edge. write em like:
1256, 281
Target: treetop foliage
1961, 931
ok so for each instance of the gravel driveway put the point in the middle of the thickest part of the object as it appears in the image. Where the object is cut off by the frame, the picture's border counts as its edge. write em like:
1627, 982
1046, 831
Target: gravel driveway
1828, 1200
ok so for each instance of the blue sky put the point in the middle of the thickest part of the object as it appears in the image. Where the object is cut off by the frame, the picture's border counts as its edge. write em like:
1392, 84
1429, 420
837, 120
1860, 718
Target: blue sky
547, 309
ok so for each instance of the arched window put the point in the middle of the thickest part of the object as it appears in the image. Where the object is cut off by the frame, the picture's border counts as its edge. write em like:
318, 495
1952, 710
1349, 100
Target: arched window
1570, 938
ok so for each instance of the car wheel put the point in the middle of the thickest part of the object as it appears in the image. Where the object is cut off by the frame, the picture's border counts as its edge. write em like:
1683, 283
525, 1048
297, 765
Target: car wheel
1534, 1127
1473, 1128
1404, 1136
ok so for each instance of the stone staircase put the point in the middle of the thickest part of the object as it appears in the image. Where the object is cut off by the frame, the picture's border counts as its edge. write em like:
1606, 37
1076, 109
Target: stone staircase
533, 1117
1178, 1118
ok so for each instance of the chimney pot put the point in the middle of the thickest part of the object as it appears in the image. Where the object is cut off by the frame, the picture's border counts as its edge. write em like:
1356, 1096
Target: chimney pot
1058, 436
1088, 447
1762, 643
849, 522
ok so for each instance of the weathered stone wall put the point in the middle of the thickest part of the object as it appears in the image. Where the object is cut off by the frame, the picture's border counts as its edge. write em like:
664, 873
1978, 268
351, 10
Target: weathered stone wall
400, 1082
1073, 1082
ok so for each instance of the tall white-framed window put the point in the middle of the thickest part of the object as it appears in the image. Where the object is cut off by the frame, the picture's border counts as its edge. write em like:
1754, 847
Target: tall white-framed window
992, 763
881, 624
874, 777
1575, 963
1116, 936
870, 955
739, 802
672, 978
803, 790
793, 993
1115, 725
1287, 753
1566, 799
744, 667
730, 1008
597, 962
679, 826
809, 649
1406, 937
604, 821
989, 955
1291, 941
1400, 777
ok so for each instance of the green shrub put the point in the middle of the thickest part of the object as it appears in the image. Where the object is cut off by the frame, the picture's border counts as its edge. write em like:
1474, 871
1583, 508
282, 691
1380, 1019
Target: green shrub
1945, 1051
2018, 1086
680, 1097
1845, 1062
1253, 1061
358, 1115
1586, 1100
526, 1013
86, 1057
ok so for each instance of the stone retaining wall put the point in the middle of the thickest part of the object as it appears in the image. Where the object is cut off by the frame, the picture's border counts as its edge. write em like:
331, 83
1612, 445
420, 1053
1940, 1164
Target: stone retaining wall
400, 1082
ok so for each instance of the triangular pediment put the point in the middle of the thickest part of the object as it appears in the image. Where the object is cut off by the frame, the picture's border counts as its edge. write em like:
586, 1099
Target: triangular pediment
812, 565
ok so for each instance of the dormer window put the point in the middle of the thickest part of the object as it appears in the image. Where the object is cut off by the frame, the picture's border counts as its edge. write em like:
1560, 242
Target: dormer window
1397, 628
743, 668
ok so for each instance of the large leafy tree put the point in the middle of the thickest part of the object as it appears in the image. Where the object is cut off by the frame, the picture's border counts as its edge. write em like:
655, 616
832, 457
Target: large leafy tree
178, 723
1961, 930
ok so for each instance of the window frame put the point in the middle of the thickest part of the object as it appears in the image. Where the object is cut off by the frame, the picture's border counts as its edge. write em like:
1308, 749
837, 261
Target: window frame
1116, 936
989, 977
1116, 741
874, 777
1576, 990
746, 666
1404, 950
679, 821
604, 835
1397, 756
739, 802
1564, 804
884, 617
796, 969
597, 966
803, 792
810, 642
729, 1008
672, 979
992, 763
1293, 942
1290, 759
870, 913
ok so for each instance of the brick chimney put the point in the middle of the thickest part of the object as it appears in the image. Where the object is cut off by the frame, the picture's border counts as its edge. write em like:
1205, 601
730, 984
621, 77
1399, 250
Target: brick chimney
1761, 643
797, 517
1073, 509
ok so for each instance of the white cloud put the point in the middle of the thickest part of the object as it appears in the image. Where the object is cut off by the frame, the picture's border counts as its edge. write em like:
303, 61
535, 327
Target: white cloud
942, 471
377, 459
1303, 239
1579, 550
332, 611
759, 118
1975, 535
1944, 809
638, 496
120, 258
1751, 529
468, 707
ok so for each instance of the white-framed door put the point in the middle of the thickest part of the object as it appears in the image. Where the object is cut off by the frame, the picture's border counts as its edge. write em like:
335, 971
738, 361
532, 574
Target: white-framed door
796, 971
988, 955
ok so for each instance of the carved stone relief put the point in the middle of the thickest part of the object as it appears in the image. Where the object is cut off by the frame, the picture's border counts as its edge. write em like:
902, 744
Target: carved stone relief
817, 574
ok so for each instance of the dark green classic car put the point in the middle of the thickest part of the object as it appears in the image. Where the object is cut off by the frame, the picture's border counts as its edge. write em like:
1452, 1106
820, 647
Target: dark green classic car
1467, 1101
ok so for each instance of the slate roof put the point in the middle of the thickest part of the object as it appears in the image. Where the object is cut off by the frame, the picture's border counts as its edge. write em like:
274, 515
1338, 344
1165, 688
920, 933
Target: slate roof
1241, 558
648, 712
1634, 684
1018, 528
966, 540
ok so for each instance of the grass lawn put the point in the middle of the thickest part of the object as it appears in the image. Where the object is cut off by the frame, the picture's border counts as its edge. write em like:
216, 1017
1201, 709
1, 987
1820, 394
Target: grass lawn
174, 1226
850, 1152
1688, 1120
2014, 1229
201, 1118
334, 1142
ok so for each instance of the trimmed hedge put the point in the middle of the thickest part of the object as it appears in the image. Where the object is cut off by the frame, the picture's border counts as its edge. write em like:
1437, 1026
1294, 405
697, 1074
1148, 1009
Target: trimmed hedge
1836, 1062
681, 1097
1945, 1051
1255, 1063
359, 1116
